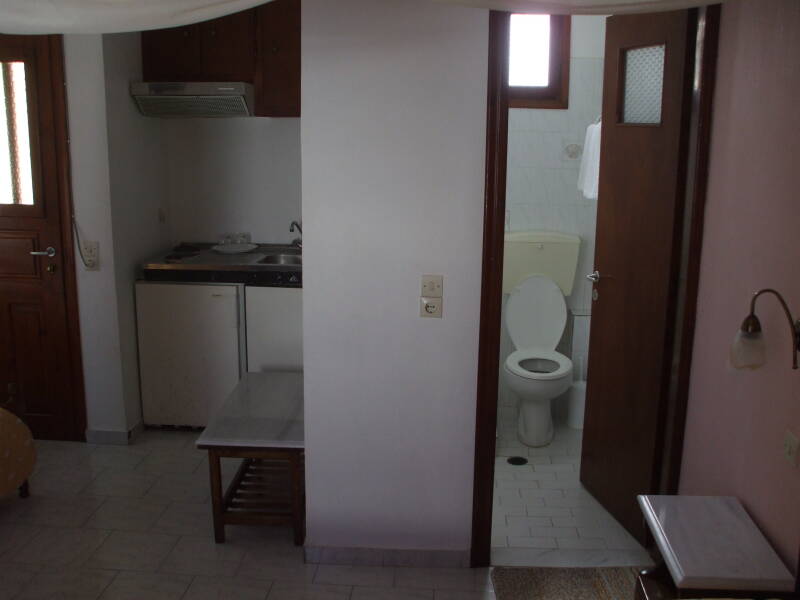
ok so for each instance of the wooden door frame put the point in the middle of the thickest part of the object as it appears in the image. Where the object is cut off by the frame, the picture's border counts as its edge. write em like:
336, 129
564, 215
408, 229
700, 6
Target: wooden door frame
66, 207
697, 130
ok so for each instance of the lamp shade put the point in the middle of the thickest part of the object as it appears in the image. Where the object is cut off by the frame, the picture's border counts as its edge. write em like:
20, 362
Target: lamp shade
748, 350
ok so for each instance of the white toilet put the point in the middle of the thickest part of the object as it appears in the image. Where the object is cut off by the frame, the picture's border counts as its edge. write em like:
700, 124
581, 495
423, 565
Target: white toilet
535, 318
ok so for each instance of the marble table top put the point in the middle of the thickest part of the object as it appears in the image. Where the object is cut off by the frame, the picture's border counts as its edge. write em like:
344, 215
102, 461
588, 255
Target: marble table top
264, 410
710, 542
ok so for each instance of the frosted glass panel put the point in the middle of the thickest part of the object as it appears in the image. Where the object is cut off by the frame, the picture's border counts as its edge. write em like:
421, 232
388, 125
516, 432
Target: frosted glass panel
644, 82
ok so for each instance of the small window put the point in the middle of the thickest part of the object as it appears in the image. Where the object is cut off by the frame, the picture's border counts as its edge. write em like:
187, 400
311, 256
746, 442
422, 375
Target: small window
538, 61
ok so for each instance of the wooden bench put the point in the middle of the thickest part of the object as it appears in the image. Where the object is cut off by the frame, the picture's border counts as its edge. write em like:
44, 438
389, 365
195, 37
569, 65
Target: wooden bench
261, 422
710, 548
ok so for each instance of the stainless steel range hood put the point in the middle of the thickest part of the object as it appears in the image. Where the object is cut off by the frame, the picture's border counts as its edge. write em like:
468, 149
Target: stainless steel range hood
193, 99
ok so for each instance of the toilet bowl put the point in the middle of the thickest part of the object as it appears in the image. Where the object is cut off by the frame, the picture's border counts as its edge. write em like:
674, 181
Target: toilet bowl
536, 315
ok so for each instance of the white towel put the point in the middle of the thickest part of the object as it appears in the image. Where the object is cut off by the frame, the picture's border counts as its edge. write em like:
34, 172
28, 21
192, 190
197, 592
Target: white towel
589, 174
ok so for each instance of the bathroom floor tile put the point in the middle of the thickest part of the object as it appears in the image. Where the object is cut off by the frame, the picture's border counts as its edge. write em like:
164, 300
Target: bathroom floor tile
150, 586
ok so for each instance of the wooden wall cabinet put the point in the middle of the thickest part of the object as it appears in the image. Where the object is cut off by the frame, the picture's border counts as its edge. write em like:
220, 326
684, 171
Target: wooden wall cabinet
260, 46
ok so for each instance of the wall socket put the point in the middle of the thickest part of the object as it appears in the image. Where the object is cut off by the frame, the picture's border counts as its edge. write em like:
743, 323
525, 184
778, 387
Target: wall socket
791, 448
90, 252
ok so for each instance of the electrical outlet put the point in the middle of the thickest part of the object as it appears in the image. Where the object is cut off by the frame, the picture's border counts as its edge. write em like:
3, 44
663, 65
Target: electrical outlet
430, 307
90, 252
791, 448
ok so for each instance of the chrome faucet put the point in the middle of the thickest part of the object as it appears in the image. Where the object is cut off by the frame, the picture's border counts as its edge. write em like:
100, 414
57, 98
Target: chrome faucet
297, 241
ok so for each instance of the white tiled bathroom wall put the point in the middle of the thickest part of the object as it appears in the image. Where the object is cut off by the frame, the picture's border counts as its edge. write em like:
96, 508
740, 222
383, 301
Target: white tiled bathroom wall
542, 182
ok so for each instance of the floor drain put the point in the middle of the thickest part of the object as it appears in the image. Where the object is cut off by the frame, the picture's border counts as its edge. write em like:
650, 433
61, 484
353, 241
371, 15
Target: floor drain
517, 460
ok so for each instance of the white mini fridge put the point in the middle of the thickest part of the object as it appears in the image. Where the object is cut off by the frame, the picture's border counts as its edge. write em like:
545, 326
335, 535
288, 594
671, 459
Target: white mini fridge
191, 349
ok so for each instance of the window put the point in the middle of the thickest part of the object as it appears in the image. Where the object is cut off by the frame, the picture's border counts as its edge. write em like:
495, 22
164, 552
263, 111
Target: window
538, 61
16, 185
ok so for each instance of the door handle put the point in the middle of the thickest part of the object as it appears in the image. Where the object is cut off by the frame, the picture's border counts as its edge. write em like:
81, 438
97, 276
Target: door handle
594, 276
49, 252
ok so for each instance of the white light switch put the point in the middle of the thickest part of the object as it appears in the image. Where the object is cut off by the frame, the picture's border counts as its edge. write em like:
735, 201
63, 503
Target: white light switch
430, 307
432, 286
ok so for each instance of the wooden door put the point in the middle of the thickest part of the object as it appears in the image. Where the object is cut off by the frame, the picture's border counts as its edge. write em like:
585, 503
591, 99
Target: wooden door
38, 353
646, 104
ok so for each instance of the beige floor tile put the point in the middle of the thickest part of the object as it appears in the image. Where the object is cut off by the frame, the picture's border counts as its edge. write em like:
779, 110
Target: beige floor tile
168, 461
355, 575
126, 514
121, 483
13, 537
147, 586
132, 551
116, 457
55, 547
182, 518
75, 584
194, 555
383, 593
308, 591
227, 588
62, 480
277, 565
55, 510
452, 595
179, 488
14, 577
444, 579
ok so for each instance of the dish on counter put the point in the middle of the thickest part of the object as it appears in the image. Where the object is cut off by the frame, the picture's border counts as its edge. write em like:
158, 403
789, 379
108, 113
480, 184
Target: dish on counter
234, 248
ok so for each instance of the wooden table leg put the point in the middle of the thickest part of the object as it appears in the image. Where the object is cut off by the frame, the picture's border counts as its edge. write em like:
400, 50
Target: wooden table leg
215, 472
24, 490
297, 498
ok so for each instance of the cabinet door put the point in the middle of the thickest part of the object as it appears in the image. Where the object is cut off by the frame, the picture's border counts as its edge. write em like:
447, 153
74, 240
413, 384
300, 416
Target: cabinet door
172, 54
229, 48
278, 75
188, 350
274, 328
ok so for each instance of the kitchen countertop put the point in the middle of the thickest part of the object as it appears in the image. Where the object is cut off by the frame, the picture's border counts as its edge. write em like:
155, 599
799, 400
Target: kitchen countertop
198, 262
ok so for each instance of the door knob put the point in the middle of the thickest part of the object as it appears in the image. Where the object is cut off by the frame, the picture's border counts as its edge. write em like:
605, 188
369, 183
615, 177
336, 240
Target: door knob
594, 276
49, 252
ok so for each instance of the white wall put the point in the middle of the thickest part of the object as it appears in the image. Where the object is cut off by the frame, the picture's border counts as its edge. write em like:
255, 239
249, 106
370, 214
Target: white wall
138, 184
229, 175
97, 293
393, 134
542, 182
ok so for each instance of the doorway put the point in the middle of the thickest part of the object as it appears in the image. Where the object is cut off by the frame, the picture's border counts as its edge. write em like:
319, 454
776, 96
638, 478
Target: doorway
40, 367
576, 469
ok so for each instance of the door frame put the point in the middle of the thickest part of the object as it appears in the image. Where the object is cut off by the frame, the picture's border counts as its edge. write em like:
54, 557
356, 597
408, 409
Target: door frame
66, 207
697, 135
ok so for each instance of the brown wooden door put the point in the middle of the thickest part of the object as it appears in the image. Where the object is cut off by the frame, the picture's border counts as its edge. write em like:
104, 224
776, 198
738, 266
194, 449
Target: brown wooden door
37, 361
638, 221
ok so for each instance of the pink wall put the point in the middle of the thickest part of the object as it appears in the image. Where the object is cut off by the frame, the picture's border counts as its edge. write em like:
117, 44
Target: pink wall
737, 419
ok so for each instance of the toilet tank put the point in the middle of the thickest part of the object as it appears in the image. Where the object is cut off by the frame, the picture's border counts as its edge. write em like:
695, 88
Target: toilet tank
548, 253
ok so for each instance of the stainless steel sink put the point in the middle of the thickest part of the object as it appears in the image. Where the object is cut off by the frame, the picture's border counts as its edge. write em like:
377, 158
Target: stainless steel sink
282, 259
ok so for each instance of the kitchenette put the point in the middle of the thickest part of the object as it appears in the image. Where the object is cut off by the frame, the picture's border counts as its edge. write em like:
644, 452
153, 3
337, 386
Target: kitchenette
207, 314
204, 246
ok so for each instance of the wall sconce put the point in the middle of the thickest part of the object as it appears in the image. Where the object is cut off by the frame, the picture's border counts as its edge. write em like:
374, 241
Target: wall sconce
748, 350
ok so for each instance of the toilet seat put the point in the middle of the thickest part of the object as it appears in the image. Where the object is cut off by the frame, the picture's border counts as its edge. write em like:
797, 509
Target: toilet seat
514, 360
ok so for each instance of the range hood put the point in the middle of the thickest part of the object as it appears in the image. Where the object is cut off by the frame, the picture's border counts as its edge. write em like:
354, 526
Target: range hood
193, 99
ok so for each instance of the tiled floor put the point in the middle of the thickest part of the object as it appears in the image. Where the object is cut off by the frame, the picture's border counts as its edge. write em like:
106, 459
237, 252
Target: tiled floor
543, 516
134, 523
